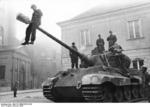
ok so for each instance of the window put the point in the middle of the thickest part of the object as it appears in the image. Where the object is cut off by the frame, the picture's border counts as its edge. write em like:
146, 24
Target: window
85, 38
134, 29
2, 72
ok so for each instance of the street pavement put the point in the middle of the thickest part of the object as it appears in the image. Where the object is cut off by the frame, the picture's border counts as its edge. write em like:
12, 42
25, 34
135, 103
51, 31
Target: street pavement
24, 97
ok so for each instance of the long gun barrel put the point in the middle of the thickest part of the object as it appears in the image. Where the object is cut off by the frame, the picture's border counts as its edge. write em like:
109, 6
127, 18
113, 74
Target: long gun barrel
26, 20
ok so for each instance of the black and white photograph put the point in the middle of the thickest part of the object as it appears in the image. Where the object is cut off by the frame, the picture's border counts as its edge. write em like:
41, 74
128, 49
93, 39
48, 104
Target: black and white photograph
74, 51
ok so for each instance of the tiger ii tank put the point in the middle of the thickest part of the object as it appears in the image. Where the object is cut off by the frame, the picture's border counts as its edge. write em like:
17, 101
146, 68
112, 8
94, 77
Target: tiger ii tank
102, 77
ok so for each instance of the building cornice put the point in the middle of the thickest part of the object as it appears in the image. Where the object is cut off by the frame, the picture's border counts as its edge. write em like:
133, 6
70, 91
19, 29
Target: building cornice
110, 13
136, 49
14, 50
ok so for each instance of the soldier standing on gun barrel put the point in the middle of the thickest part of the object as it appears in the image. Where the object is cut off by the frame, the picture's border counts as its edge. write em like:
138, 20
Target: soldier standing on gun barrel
74, 57
111, 39
35, 22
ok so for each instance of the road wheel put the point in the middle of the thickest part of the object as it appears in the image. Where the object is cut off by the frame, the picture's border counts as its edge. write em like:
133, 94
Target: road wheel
135, 92
119, 95
127, 93
107, 95
141, 92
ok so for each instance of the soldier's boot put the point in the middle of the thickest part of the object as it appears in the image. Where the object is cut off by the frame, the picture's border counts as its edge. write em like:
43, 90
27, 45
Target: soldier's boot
25, 43
32, 42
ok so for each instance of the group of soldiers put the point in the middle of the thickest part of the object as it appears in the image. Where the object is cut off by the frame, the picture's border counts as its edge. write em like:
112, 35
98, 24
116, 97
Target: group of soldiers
36, 22
112, 39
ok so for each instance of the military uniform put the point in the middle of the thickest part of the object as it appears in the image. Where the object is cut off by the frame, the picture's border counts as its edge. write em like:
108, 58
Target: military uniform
74, 58
15, 88
122, 60
100, 45
31, 29
97, 50
111, 40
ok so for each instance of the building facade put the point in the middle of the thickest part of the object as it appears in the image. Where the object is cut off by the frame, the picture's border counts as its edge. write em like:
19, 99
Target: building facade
43, 63
129, 23
15, 64
14, 67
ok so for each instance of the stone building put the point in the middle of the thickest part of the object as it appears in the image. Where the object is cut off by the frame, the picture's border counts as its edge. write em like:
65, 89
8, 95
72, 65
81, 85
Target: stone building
129, 23
43, 62
14, 61
14, 66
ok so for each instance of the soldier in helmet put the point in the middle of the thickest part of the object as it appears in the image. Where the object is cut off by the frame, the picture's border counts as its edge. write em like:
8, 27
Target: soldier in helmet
100, 44
15, 88
35, 22
122, 60
111, 39
74, 57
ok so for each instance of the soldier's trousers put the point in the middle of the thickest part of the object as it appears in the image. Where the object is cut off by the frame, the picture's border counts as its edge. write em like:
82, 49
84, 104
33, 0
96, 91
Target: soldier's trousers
31, 30
15, 93
74, 63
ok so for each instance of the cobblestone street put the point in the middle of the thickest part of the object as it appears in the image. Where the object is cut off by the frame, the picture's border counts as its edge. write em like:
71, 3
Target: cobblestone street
30, 97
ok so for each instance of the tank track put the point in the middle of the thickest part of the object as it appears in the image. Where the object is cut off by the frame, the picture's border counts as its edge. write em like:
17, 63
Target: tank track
47, 92
138, 100
95, 93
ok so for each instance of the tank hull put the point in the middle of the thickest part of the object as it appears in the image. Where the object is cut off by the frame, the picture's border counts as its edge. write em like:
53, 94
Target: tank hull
113, 88
63, 94
96, 84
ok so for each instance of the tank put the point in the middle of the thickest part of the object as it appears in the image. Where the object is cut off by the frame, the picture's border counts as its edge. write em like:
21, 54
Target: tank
102, 77
105, 77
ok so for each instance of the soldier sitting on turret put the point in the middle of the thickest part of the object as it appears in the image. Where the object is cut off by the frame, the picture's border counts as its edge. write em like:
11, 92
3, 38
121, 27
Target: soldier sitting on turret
122, 60
115, 49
